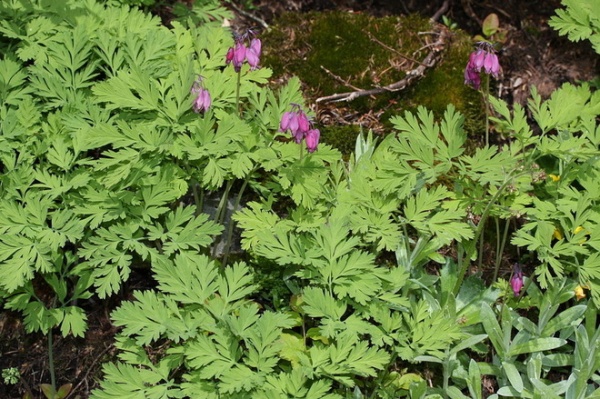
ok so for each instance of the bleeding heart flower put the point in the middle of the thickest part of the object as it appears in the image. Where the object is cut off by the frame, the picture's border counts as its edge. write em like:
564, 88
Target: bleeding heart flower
202, 101
312, 139
516, 282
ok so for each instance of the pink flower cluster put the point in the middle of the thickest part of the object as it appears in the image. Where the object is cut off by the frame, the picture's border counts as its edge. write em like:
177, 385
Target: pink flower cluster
202, 102
239, 53
300, 127
294, 121
483, 58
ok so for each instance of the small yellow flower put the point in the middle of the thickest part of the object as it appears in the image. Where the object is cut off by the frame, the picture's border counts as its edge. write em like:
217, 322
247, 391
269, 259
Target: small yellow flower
579, 229
554, 178
579, 292
557, 234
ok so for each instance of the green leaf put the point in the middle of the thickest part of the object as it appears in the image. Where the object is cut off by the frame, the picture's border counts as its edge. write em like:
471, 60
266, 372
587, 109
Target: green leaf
578, 21
569, 317
132, 89
74, 321
235, 283
48, 391
189, 279
513, 375
536, 345
493, 330
183, 231
318, 303
148, 318
63, 391
474, 381
128, 381
490, 24
292, 348
255, 222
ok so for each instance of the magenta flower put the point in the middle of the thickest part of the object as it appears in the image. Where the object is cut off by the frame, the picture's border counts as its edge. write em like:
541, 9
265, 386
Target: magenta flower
286, 119
253, 53
477, 58
298, 124
229, 56
203, 101
484, 58
239, 55
312, 139
472, 78
491, 64
240, 52
516, 282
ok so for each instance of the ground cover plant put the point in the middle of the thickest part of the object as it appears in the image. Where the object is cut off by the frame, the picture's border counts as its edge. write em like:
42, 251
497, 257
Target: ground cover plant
129, 145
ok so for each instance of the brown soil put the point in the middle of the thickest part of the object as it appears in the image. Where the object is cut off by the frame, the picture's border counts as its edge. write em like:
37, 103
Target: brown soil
533, 55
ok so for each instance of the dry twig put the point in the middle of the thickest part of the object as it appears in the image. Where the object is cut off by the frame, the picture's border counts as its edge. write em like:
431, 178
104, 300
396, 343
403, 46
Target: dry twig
89, 370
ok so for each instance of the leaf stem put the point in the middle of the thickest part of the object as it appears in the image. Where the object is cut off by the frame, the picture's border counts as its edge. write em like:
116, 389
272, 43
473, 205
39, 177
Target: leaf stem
222, 210
479, 230
236, 205
198, 197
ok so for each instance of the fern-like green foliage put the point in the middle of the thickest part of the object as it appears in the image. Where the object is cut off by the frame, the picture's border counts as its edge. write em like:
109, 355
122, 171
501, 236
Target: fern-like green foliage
562, 221
105, 168
225, 343
579, 20
104, 163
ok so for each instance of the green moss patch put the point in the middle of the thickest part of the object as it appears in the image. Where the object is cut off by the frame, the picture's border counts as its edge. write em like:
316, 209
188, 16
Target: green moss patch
339, 52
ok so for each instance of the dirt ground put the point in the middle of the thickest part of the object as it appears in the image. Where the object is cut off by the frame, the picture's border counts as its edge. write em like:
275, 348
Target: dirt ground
533, 55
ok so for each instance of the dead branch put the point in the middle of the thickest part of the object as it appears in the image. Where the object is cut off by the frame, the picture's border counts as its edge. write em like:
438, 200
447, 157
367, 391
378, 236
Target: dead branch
339, 79
429, 61
441, 11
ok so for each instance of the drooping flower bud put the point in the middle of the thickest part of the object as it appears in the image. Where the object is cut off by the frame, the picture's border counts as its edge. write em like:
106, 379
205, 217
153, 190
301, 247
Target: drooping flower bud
253, 53
579, 292
229, 56
478, 59
239, 55
472, 78
491, 65
516, 282
285, 121
312, 139
202, 102
303, 123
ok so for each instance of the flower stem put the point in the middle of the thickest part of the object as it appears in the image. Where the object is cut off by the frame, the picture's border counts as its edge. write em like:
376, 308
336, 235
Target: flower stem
51, 361
237, 92
486, 93
500, 247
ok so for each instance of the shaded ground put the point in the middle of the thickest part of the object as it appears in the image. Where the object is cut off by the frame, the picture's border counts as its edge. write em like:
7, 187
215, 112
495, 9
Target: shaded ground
533, 55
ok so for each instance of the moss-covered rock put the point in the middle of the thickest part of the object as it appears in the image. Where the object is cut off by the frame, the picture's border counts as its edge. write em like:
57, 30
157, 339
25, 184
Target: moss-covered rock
337, 52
